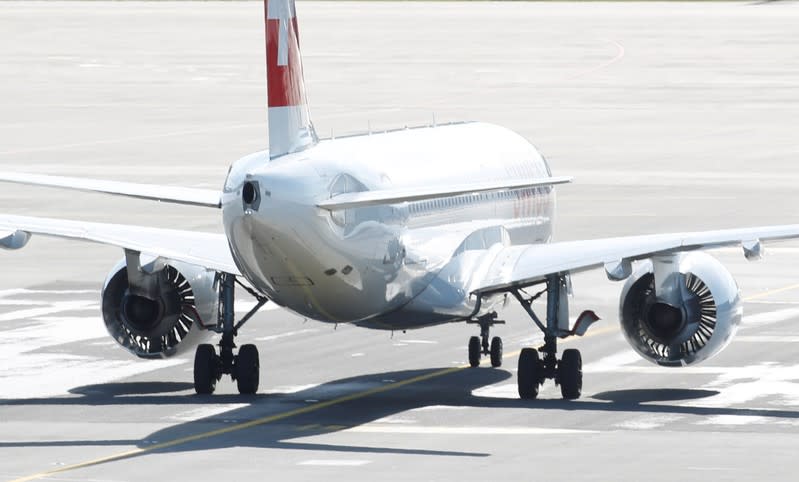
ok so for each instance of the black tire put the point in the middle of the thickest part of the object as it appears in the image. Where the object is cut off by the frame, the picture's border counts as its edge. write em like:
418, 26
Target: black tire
248, 369
205, 369
529, 375
570, 374
496, 352
475, 350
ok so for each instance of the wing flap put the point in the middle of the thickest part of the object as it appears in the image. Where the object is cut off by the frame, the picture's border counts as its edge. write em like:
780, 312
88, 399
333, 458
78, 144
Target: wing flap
209, 250
170, 194
393, 196
523, 265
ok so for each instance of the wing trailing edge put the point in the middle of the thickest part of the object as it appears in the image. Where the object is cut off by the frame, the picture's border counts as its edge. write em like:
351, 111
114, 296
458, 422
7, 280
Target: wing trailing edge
394, 196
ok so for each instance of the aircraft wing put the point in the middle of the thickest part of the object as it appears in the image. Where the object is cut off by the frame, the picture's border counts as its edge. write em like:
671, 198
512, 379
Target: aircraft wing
171, 194
524, 265
208, 250
393, 196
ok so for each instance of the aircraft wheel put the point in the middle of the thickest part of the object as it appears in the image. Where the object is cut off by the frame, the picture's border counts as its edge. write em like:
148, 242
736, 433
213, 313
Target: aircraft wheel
529, 375
496, 352
248, 369
570, 374
205, 369
474, 351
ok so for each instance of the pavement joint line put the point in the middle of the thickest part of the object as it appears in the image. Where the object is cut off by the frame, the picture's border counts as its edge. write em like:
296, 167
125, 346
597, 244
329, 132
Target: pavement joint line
311, 408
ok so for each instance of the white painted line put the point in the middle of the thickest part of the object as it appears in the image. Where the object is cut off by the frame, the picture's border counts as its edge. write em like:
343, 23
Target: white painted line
25, 291
438, 407
768, 302
614, 362
291, 388
736, 420
650, 369
767, 339
286, 335
393, 420
770, 317
419, 430
50, 331
41, 374
56, 307
648, 422
419, 342
743, 386
244, 306
204, 412
12, 302
44, 375
508, 390
335, 463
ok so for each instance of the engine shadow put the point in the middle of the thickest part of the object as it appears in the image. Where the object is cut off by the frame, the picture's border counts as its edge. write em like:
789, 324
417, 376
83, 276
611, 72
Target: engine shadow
653, 395
111, 390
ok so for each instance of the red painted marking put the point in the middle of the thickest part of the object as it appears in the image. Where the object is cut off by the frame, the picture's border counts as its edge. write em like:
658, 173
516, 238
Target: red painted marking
284, 82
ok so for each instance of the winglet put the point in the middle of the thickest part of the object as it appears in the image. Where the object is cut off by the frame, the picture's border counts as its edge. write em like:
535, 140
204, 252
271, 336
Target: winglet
290, 128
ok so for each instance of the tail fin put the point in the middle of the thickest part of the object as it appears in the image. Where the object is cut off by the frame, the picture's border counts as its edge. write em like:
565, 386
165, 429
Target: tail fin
290, 128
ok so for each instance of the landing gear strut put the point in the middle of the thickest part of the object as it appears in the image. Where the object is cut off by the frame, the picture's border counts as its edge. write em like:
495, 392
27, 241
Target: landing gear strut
566, 372
479, 346
244, 367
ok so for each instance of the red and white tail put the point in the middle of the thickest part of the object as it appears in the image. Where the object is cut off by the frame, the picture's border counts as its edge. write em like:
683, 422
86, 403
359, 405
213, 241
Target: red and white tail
290, 128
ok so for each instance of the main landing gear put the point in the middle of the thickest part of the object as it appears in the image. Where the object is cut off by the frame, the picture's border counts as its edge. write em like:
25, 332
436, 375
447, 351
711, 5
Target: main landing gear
566, 372
479, 346
244, 367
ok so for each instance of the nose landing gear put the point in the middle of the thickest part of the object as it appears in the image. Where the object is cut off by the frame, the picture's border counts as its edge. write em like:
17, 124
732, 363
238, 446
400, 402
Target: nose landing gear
479, 346
244, 367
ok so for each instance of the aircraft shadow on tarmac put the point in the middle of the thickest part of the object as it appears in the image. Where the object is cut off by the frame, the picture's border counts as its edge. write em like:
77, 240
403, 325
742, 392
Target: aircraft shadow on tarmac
267, 426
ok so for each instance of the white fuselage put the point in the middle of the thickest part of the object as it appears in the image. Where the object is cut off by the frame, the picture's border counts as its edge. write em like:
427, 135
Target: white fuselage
393, 266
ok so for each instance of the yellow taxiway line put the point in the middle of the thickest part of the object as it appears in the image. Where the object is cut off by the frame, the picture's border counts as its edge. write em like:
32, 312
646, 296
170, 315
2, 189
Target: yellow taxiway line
314, 407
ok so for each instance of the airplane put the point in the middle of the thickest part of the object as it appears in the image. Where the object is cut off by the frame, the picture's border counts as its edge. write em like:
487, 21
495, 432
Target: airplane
393, 230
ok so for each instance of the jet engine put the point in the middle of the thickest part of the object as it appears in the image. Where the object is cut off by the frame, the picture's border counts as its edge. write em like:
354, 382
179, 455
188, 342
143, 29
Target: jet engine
680, 309
165, 318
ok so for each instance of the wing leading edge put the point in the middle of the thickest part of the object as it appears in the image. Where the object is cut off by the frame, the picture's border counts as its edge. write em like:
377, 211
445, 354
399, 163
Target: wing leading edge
170, 194
524, 265
208, 250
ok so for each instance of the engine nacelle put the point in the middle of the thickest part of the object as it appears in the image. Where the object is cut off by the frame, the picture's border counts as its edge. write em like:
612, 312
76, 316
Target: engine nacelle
154, 328
686, 315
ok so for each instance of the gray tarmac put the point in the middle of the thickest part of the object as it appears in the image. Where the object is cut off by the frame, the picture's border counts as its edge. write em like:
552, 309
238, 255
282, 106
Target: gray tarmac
671, 117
